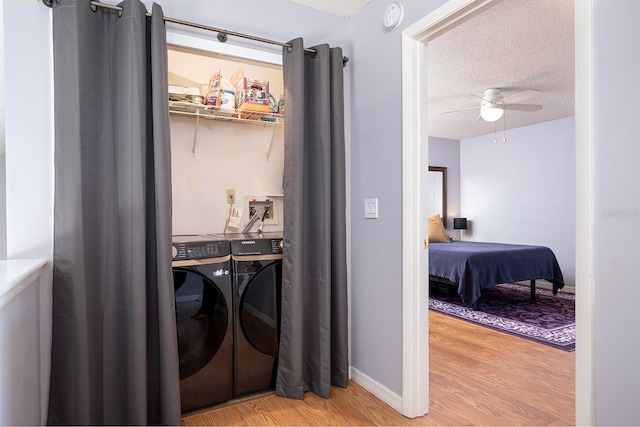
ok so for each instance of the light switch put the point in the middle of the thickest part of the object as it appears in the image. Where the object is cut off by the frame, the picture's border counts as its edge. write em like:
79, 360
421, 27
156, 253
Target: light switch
371, 208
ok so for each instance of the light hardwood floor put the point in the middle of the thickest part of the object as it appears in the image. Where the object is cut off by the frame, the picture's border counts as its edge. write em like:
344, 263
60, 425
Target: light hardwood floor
477, 377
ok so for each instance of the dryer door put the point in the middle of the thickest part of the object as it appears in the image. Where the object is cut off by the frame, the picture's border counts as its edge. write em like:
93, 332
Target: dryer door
259, 309
202, 316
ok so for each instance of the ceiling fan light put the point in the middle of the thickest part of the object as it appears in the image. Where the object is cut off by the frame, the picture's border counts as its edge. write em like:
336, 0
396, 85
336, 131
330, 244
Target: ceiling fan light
491, 112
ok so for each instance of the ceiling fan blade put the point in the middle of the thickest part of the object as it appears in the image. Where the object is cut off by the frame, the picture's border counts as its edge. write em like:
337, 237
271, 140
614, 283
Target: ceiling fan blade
473, 96
521, 96
523, 107
463, 109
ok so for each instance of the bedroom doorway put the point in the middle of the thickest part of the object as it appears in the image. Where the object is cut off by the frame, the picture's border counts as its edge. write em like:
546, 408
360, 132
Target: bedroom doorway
415, 147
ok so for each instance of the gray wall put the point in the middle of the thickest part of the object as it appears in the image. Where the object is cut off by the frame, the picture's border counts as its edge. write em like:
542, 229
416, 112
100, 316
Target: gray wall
523, 190
376, 171
29, 130
3, 181
616, 298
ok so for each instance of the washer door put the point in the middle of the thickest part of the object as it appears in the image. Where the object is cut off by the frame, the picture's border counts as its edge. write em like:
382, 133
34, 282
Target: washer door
259, 310
201, 318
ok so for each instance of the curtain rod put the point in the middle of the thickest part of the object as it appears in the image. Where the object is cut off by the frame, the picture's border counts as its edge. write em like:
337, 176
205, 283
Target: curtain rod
222, 34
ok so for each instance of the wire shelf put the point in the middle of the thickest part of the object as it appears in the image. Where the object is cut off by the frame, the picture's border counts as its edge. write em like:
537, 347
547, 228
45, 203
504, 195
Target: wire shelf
217, 113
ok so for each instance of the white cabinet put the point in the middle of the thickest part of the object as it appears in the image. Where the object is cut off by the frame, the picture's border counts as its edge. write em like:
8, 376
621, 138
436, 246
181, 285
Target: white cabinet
25, 342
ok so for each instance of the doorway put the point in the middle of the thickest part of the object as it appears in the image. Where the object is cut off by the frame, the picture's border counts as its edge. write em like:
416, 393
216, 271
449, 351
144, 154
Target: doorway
415, 400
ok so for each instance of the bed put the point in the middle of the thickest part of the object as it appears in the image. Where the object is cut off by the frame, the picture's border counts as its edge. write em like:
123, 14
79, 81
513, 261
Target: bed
474, 266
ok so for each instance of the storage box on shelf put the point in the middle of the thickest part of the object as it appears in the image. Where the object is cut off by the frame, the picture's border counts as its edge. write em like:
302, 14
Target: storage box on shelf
251, 95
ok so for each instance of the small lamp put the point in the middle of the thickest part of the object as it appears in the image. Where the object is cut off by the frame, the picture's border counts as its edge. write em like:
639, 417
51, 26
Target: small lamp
459, 223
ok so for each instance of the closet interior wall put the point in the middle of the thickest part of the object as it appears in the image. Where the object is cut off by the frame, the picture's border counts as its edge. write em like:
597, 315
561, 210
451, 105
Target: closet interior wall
211, 156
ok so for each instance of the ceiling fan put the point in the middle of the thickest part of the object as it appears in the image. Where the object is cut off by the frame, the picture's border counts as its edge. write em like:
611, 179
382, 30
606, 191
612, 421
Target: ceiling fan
493, 103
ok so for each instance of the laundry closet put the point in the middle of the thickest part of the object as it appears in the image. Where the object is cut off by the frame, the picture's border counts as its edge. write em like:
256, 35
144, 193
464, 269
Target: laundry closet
227, 167
220, 152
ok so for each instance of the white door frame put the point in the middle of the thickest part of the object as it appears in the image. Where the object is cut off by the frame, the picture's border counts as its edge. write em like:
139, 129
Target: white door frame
415, 282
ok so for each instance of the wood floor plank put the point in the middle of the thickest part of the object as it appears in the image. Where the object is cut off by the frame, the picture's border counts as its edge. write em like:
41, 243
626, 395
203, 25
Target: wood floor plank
228, 416
487, 406
478, 376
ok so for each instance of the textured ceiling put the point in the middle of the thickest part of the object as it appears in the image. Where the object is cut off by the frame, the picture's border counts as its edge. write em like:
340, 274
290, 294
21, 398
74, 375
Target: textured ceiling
346, 8
516, 45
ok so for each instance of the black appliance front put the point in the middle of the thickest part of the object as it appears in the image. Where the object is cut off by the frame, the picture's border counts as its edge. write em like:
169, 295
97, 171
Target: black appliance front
204, 320
257, 284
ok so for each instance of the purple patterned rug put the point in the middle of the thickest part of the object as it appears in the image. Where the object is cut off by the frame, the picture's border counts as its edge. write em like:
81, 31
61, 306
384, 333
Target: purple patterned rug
549, 320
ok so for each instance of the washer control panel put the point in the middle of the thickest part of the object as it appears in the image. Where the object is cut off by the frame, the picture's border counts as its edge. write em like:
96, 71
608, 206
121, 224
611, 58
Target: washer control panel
198, 247
256, 246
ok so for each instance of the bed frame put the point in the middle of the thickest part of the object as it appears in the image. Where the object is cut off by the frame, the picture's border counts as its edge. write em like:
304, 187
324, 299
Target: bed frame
450, 286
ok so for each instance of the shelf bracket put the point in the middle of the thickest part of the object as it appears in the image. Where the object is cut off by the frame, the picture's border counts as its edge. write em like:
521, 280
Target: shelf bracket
195, 133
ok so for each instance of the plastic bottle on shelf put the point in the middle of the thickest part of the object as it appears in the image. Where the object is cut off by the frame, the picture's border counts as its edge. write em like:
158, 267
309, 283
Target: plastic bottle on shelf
213, 88
227, 98
281, 104
273, 105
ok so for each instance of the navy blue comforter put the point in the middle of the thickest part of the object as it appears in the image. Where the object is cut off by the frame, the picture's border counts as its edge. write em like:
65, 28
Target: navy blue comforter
478, 265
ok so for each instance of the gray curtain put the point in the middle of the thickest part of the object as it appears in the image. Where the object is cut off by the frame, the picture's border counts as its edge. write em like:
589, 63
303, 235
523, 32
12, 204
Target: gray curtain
114, 351
313, 351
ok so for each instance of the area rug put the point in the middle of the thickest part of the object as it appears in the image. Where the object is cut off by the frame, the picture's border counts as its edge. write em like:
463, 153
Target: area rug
550, 319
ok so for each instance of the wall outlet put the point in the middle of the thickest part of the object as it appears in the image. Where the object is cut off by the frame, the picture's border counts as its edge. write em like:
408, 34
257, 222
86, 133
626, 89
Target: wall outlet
231, 195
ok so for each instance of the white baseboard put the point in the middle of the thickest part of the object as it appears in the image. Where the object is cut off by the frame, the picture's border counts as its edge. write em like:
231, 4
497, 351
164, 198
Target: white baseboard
378, 390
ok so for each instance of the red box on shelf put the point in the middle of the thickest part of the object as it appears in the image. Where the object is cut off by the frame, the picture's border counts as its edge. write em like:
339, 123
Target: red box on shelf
251, 94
